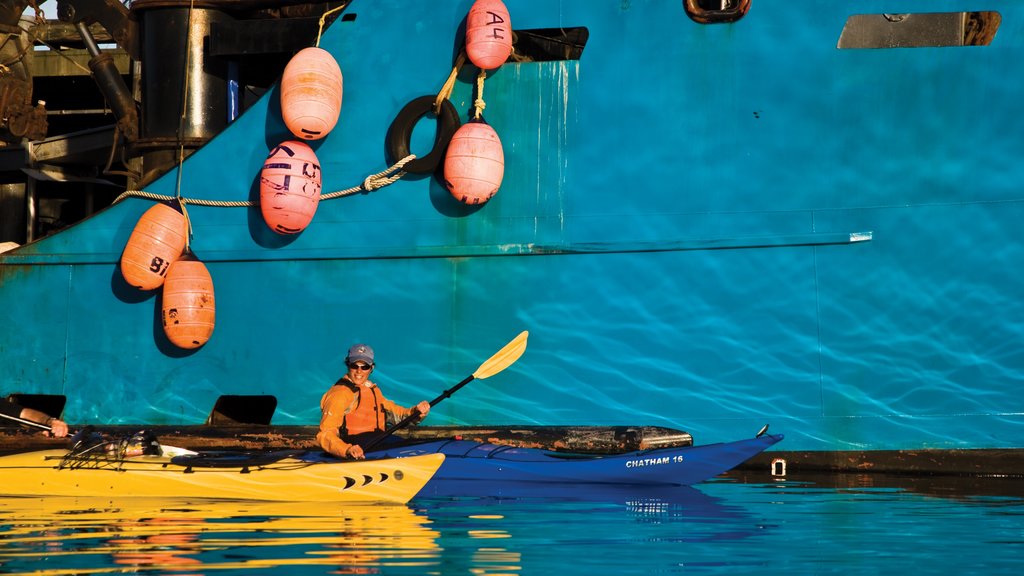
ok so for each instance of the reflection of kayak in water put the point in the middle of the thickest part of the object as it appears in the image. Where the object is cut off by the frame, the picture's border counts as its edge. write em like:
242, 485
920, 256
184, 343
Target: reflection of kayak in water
276, 476
167, 534
635, 497
682, 513
499, 468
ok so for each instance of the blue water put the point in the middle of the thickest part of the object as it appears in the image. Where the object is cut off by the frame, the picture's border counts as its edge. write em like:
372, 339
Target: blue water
734, 525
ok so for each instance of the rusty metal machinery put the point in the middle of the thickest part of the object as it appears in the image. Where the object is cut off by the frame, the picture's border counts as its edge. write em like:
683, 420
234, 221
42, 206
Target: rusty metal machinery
19, 117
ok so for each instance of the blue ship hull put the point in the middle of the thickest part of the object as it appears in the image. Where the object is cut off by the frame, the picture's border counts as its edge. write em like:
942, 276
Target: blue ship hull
482, 468
703, 226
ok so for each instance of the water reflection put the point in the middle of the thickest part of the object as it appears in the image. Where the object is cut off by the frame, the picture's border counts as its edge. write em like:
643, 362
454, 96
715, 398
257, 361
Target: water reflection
865, 523
475, 533
577, 529
62, 535
636, 501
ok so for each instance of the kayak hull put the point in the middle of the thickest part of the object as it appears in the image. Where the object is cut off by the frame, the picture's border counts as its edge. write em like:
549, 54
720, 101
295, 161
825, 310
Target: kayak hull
498, 466
288, 479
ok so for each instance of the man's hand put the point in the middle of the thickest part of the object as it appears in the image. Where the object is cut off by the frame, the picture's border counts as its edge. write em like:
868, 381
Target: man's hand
58, 428
355, 452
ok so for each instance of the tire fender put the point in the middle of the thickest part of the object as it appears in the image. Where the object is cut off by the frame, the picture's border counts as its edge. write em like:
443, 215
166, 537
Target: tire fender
400, 133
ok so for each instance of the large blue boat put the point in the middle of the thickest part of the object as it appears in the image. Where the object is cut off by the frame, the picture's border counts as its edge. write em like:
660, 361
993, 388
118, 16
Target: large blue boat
713, 214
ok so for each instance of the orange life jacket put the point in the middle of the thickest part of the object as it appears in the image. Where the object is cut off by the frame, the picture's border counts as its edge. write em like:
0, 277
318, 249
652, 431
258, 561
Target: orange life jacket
367, 414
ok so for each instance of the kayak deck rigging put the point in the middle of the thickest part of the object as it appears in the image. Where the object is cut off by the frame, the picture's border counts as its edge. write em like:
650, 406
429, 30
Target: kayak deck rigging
279, 476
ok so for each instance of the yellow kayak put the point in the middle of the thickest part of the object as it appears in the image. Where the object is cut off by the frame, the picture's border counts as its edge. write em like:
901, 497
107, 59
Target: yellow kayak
293, 477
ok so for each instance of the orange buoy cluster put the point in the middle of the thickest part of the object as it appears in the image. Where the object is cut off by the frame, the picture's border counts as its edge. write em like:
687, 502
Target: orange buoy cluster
156, 255
290, 182
474, 164
156, 242
311, 89
290, 187
188, 311
488, 34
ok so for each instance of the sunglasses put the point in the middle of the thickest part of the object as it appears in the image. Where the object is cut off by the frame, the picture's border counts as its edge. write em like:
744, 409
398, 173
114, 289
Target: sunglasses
360, 366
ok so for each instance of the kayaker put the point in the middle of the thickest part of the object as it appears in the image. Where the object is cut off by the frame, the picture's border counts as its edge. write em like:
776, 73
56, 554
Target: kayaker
355, 412
58, 427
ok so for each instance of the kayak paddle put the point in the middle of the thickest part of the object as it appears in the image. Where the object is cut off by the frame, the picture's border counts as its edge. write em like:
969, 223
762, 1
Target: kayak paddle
26, 422
502, 359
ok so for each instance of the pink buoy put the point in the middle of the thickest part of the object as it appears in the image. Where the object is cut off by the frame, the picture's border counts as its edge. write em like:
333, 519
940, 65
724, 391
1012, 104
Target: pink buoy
157, 241
488, 34
290, 187
311, 90
188, 309
474, 164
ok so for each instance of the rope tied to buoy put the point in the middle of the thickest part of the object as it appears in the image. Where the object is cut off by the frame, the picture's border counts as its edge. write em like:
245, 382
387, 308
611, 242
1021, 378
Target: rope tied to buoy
323, 19
188, 221
449, 85
372, 182
478, 103
181, 129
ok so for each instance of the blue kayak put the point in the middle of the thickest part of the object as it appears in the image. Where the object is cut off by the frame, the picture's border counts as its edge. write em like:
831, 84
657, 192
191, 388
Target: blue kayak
469, 461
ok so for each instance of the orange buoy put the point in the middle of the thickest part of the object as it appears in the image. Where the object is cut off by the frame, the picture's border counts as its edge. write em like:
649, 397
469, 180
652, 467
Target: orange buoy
188, 310
488, 34
474, 164
311, 89
155, 243
290, 187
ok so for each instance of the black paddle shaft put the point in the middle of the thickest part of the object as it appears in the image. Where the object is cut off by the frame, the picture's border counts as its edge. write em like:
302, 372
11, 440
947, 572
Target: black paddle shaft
411, 417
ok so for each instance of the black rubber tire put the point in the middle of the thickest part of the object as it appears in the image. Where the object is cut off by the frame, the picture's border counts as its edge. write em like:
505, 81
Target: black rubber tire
400, 133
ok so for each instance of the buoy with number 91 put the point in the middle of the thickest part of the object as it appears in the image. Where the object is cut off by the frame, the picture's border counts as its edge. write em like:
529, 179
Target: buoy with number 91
156, 242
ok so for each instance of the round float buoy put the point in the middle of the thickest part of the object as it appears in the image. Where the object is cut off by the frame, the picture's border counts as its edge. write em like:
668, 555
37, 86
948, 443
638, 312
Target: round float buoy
155, 243
290, 187
311, 88
475, 163
188, 311
399, 136
488, 34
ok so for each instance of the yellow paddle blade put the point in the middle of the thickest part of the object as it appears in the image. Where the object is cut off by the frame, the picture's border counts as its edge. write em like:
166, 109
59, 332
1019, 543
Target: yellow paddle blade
503, 358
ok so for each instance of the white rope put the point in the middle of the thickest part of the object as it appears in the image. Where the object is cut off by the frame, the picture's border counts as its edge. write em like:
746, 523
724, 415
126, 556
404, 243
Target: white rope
372, 182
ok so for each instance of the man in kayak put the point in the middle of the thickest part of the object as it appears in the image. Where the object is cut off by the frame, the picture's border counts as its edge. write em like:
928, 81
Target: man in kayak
355, 412
58, 428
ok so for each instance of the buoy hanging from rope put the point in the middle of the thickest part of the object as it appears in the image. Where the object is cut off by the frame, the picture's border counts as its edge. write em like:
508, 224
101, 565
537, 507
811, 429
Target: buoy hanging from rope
155, 243
488, 34
475, 163
188, 311
290, 187
311, 89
